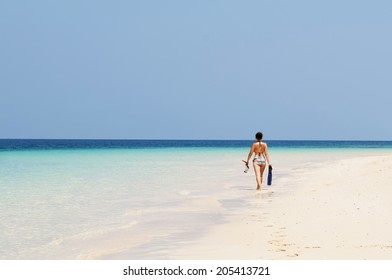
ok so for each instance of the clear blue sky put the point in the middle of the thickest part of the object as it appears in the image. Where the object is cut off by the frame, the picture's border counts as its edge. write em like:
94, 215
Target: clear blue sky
196, 69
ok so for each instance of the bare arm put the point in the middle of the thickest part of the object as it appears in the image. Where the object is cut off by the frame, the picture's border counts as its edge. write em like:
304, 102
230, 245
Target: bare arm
266, 154
250, 155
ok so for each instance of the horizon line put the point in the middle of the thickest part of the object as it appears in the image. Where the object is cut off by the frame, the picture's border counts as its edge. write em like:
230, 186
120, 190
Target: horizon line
172, 139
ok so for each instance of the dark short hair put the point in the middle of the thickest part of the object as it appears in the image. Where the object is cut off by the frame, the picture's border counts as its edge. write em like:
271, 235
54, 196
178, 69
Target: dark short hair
259, 135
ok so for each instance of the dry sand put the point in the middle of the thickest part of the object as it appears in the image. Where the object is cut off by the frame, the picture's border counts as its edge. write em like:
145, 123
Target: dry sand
339, 210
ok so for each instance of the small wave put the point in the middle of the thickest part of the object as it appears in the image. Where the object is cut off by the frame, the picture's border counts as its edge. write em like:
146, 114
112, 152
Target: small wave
92, 233
184, 192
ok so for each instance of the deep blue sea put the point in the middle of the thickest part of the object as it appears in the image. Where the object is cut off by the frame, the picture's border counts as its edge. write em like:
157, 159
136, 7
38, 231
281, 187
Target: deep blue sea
54, 144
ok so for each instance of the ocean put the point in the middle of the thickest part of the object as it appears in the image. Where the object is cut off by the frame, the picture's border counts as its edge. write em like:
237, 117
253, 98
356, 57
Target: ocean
136, 199
61, 144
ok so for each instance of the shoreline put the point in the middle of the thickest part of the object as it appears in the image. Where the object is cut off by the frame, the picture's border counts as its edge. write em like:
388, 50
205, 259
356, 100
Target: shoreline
205, 210
335, 211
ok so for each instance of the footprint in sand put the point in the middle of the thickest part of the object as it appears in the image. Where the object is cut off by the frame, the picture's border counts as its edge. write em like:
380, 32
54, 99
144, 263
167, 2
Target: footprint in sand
293, 256
274, 242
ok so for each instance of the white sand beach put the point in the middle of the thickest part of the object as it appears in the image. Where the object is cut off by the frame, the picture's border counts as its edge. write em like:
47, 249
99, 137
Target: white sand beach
338, 210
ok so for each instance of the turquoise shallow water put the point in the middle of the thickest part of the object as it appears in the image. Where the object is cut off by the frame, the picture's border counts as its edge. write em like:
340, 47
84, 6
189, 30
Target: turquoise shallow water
49, 196
69, 203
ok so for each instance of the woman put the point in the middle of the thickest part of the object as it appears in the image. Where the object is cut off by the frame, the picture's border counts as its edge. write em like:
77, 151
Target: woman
260, 151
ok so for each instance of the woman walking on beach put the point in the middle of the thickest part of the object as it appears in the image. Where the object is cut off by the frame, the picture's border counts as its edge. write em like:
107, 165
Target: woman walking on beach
260, 151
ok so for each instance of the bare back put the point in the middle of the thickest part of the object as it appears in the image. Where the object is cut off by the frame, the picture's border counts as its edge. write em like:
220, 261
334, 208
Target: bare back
259, 149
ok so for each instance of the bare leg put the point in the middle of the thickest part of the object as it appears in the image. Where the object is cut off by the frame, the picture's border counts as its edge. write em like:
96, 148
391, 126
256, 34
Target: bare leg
262, 168
258, 174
